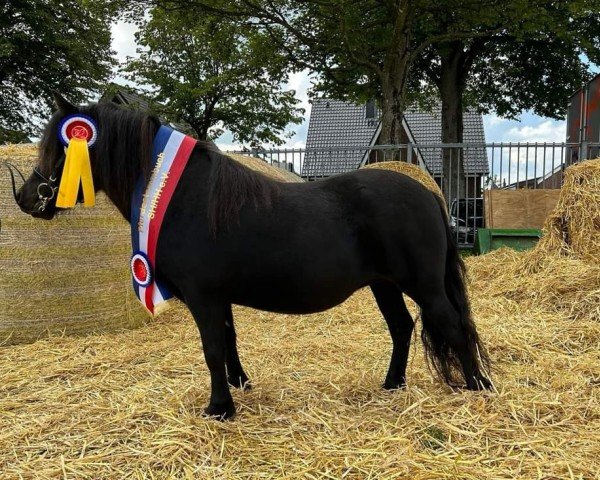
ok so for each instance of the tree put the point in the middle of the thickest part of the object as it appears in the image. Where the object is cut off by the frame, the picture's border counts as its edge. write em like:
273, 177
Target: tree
214, 73
48, 45
370, 48
359, 49
531, 63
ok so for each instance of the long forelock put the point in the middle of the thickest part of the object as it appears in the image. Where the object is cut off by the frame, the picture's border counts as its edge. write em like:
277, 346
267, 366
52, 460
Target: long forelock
50, 148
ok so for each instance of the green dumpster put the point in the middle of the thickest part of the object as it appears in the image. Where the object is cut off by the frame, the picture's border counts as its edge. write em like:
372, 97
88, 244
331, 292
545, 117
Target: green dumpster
489, 239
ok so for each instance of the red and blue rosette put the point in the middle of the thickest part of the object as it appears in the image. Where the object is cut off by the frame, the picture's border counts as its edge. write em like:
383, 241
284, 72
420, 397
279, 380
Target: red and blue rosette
80, 126
77, 132
141, 269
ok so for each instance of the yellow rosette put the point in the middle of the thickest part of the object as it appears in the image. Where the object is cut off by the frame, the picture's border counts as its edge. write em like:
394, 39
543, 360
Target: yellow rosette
77, 171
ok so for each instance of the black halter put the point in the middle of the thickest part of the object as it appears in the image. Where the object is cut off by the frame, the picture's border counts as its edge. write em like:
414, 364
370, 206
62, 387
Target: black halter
46, 190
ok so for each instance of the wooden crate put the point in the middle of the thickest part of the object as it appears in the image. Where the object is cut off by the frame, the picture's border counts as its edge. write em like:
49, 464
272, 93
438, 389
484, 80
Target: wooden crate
518, 208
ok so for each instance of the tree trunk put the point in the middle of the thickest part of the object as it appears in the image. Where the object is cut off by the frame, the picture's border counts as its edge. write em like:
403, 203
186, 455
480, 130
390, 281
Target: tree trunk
451, 86
392, 106
393, 78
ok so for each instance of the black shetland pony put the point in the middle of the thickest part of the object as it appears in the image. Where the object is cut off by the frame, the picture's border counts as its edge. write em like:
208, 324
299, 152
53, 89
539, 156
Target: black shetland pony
233, 236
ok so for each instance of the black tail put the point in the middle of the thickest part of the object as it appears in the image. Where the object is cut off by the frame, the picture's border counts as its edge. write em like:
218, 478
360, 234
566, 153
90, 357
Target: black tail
441, 356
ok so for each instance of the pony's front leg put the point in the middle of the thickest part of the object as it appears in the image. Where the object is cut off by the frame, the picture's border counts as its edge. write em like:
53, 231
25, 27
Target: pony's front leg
210, 319
235, 372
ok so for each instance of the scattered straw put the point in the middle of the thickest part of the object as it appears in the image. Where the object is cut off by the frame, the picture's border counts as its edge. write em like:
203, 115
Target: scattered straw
562, 273
128, 405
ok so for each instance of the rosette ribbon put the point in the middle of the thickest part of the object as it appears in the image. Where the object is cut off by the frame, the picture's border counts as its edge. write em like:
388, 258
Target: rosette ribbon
77, 133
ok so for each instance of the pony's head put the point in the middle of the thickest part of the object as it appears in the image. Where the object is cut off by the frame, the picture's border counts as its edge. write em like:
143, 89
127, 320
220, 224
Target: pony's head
120, 153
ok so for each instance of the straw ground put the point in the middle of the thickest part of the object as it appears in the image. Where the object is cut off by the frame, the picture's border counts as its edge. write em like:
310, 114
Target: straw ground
128, 405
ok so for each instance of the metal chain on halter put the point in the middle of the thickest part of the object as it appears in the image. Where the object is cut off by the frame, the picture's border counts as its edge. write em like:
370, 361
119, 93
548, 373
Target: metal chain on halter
50, 184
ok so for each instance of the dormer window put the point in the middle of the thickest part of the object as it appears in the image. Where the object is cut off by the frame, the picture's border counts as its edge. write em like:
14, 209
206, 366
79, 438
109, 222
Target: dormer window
370, 110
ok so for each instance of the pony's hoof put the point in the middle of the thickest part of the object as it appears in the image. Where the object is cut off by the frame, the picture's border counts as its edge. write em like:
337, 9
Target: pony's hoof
240, 381
220, 411
479, 383
391, 385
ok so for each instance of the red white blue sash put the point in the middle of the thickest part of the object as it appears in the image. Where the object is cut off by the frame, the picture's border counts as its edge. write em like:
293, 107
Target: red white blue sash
170, 154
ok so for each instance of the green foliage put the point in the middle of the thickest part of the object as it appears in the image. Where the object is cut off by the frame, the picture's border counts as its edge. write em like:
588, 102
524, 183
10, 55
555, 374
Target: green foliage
48, 45
537, 75
215, 73
536, 55
500, 56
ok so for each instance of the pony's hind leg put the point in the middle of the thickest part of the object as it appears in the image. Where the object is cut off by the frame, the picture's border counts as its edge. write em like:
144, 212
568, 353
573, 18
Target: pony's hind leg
400, 323
451, 341
235, 372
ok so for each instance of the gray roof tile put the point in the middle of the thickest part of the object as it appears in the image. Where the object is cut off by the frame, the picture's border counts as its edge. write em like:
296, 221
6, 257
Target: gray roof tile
335, 123
426, 127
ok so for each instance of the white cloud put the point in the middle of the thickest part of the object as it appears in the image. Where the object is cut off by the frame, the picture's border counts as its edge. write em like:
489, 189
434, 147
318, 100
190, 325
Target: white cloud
300, 83
546, 131
493, 120
530, 128
519, 162
123, 39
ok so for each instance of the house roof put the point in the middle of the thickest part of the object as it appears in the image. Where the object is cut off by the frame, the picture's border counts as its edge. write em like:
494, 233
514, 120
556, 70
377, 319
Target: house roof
426, 128
125, 96
335, 123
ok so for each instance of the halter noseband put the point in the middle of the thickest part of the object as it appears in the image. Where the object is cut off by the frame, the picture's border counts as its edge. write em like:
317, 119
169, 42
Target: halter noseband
49, 184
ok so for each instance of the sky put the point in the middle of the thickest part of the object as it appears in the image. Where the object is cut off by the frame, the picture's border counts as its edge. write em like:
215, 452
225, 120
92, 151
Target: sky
530, 127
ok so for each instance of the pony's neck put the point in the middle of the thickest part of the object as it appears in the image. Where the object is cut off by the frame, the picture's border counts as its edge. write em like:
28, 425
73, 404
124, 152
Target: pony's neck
123, 155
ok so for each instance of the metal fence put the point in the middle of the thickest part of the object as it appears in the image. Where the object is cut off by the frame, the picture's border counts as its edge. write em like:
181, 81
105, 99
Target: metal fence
470, 169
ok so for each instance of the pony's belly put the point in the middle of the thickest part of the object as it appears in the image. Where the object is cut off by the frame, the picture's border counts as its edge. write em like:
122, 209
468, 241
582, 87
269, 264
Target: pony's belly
295, 299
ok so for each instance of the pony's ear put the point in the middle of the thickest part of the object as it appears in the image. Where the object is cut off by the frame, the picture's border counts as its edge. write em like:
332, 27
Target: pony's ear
63, 104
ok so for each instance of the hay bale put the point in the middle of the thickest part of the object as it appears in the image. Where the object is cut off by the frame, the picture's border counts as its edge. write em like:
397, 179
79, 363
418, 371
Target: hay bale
263, 167
573, 227
412, 171
562, 273
67, 276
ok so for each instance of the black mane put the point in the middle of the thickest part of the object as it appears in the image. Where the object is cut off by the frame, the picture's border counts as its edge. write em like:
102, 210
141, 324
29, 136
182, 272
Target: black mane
232, 185
123, 151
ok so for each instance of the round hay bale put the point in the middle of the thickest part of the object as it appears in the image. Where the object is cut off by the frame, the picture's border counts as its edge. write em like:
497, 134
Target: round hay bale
263, 167
411, 170
66, 276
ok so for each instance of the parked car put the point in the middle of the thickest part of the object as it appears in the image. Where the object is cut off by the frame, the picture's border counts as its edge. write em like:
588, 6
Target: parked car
466, 216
